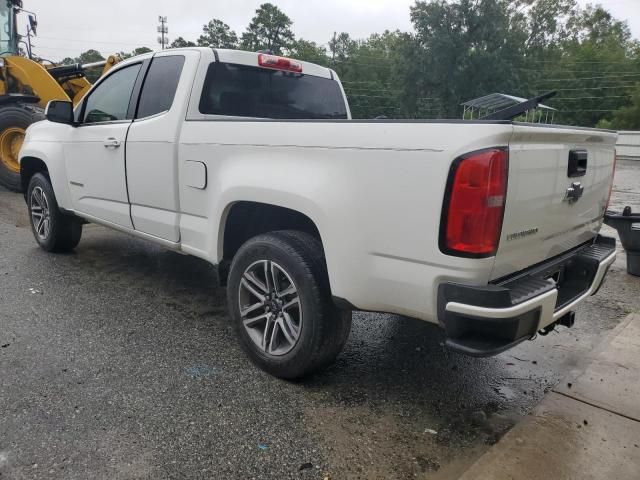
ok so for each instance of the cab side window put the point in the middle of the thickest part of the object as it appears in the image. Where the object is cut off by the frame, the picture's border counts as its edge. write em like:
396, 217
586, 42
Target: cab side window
109, 101
160, 85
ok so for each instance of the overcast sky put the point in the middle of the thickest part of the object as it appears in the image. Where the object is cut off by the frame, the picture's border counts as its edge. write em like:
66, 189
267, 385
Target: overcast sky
115, 25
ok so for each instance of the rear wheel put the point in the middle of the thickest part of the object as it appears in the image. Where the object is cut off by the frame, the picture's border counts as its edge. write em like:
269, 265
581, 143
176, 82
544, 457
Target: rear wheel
53, 230
14, 120
281, 307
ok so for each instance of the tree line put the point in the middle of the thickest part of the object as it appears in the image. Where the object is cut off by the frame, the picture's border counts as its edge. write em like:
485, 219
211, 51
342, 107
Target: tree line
464, 49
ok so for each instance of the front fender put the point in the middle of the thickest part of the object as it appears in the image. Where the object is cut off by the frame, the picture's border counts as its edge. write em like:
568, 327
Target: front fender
52, 155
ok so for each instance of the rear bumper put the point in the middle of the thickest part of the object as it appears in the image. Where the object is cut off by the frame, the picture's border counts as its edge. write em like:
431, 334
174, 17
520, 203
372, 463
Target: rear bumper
484, 321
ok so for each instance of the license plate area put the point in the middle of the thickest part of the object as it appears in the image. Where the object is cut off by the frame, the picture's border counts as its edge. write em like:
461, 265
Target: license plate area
556, 276
573, 278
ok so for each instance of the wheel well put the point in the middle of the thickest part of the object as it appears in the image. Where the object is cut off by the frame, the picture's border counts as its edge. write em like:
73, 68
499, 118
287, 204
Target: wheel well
246, 220
29, 166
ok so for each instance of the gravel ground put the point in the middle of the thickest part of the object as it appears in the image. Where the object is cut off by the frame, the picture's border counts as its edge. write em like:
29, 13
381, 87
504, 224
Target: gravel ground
118, 361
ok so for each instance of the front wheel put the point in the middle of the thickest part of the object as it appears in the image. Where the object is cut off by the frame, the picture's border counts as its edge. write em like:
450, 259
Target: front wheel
281, 307
53, 230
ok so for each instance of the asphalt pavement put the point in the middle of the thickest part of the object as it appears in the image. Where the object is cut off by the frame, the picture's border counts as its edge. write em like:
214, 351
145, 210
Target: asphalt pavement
118, 361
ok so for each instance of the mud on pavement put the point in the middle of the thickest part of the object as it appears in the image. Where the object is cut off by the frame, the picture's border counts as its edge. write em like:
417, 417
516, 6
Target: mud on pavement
118, 361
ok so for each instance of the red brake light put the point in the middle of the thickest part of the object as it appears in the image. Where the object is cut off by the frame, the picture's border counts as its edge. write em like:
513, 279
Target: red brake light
279, 63
474, 203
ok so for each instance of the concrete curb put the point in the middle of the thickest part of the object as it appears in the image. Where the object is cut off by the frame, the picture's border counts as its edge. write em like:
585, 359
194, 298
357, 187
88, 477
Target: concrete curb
588, 427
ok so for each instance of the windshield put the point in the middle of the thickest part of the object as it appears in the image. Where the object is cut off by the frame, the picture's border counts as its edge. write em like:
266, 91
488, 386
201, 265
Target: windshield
7, 42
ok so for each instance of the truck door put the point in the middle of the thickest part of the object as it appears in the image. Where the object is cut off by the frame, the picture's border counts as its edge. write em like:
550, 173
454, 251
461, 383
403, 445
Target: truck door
95, 151
152, 163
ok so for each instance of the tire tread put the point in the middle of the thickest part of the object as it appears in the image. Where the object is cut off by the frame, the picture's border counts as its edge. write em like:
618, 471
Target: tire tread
66, 231
331, 331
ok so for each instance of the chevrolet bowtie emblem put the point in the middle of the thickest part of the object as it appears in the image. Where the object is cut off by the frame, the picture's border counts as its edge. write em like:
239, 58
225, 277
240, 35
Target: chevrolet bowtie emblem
574, 192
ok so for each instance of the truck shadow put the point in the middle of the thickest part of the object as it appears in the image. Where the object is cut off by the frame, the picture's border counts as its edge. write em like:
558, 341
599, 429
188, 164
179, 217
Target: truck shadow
387, 356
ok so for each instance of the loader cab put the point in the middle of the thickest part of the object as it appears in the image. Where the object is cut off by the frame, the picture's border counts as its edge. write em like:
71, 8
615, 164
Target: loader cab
8, 33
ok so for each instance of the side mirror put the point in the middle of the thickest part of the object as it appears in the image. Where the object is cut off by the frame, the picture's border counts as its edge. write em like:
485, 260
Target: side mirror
33, 24
60, 111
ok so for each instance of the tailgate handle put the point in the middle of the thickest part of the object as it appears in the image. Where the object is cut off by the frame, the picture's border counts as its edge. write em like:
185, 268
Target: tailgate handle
577, 163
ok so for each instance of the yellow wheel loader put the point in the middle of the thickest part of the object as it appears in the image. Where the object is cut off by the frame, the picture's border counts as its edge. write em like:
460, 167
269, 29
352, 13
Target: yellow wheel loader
26, 87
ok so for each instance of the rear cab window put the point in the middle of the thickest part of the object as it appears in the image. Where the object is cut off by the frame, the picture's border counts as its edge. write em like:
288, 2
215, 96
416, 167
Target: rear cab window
160, 85
254, 92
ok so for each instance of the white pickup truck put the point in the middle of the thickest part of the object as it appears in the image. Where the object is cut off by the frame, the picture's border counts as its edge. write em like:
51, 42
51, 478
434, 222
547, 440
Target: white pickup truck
253, 163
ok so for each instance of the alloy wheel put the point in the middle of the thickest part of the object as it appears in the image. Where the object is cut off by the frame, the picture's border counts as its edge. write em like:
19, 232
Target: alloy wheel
40, 213
270, 307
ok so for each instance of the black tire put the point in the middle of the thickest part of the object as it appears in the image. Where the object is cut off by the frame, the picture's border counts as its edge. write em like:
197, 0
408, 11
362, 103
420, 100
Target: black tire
64, 232
323, 328
20, 116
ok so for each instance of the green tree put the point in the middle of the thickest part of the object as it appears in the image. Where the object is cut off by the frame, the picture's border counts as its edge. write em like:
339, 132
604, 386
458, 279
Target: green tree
141, 51
627, 117
218, 34
137, 51
597, 25
341, 47
181, 43
270, 29
368, 69
593, 69
465, 49
309, 52
90, 56
546, 22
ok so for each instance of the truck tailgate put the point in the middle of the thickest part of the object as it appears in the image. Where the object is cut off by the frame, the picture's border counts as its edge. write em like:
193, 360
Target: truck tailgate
559, 183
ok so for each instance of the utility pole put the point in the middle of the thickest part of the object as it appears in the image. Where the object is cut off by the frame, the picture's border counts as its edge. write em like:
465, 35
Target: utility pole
163, 29
334, 45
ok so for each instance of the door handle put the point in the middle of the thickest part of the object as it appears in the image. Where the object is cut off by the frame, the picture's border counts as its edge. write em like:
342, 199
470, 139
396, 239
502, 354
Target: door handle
577, 163
111, 143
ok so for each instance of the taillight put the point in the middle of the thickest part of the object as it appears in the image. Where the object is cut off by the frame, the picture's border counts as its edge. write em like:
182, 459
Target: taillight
474, 203
613, 174
279, 63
